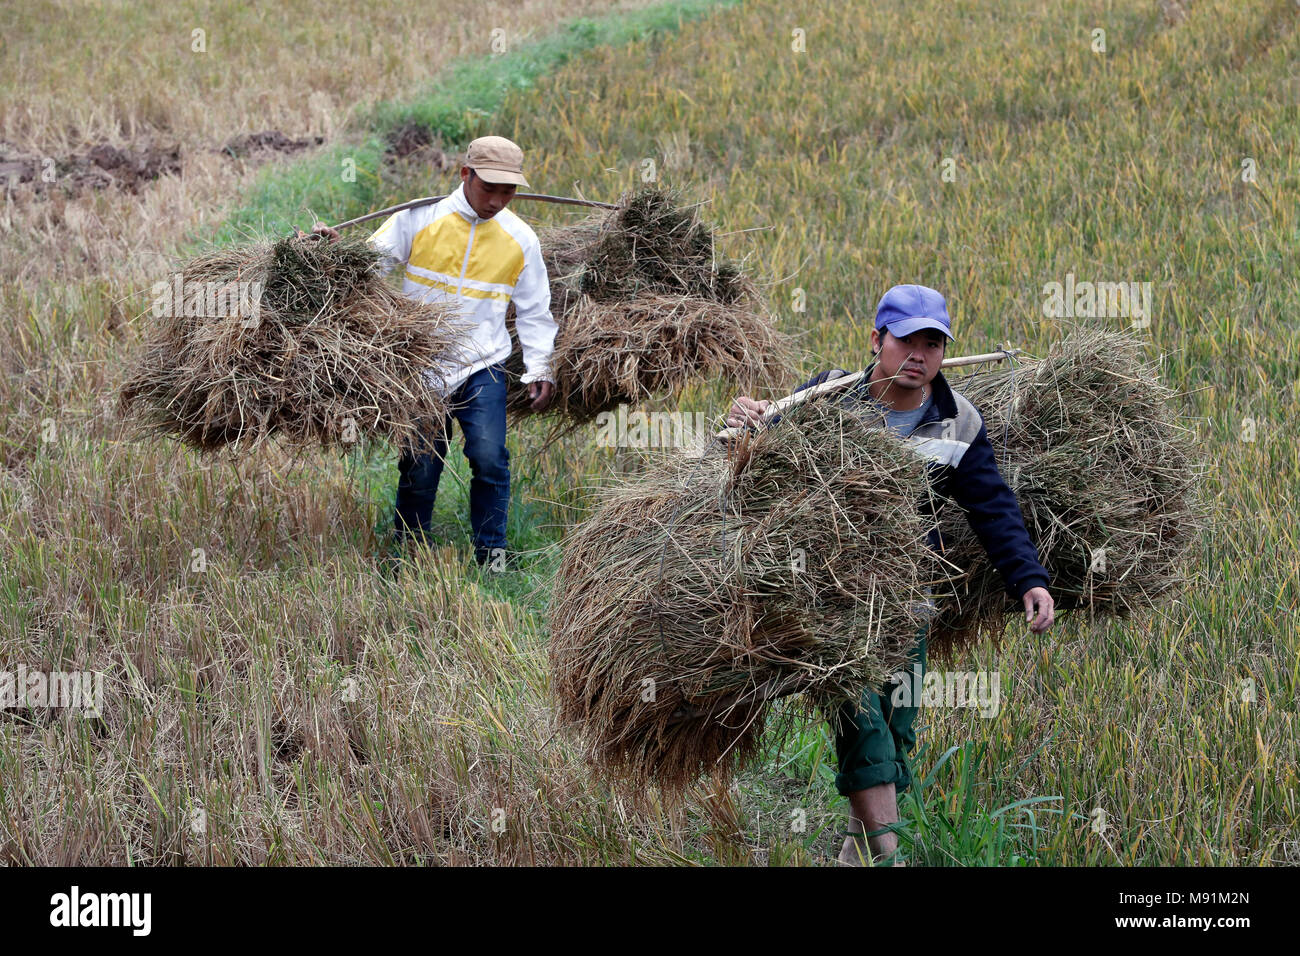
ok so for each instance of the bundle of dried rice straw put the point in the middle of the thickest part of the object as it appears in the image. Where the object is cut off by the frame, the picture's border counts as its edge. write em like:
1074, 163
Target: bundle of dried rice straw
1107, 476
680, 611
792, 562
299, 340
645, 308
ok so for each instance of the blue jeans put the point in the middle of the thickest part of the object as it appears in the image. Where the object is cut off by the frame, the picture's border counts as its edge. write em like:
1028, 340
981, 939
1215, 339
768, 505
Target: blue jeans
479, 404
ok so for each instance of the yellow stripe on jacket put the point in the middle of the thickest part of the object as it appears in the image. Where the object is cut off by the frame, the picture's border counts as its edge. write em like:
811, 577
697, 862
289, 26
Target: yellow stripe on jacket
495, 256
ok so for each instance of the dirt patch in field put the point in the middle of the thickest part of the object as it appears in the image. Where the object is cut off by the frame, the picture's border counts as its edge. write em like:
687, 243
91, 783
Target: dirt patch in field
407, 138
100, 167
412, 147
268, 143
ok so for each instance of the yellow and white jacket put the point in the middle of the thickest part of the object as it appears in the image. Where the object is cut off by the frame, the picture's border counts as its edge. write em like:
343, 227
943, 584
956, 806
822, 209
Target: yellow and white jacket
451, 254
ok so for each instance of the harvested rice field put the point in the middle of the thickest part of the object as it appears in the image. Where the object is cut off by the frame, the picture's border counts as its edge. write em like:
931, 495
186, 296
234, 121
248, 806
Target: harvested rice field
201, 513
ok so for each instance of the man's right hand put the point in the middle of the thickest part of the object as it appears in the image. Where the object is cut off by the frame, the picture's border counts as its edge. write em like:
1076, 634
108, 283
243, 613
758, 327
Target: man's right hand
1040, 609
746, 411
320, 229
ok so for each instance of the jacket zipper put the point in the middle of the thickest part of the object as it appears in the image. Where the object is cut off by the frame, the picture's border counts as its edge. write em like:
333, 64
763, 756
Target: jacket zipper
464, 266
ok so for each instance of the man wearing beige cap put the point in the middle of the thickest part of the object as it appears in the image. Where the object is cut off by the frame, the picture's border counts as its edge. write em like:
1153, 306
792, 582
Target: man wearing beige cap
470, 250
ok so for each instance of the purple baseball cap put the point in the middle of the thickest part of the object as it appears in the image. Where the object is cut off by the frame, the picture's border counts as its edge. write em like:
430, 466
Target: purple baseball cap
905, 309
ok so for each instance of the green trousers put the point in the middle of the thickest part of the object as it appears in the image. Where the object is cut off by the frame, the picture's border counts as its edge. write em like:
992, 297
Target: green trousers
874, 741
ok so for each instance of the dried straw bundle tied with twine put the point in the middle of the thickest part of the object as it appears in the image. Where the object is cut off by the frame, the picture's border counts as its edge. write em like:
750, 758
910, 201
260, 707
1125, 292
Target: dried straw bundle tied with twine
1107, 475
792, 562
645, 308
332, 355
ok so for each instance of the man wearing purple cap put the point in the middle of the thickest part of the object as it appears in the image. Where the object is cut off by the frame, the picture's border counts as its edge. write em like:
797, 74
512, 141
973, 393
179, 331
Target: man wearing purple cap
874, 740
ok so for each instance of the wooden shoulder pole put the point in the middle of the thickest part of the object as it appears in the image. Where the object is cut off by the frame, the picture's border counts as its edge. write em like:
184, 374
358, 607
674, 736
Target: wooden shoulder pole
844, 381
429, 200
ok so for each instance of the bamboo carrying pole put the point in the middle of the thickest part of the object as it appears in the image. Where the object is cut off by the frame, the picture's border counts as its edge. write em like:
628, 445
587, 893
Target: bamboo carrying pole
428, 200
835, 384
